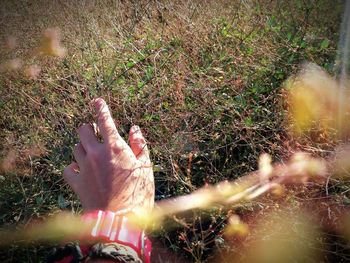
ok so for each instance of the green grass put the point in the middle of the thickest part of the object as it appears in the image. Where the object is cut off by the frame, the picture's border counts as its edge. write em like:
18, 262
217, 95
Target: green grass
198, 78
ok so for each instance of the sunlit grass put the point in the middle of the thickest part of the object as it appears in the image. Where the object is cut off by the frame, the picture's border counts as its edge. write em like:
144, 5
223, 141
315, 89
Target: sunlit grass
203, 80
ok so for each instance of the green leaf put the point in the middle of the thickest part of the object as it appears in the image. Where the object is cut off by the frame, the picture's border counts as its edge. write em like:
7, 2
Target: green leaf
131, 90
88, 74
291, 58
248, 121
62, 203
140, 84
324, 43
249, 50
271, 21
39, 200
130, 64
165, 105
149, 72
224, 32
303, 44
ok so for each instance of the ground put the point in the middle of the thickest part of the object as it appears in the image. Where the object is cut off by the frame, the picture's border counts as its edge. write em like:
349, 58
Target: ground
203, 80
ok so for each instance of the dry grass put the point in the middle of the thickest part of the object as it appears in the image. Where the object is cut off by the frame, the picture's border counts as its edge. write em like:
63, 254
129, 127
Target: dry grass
202, 78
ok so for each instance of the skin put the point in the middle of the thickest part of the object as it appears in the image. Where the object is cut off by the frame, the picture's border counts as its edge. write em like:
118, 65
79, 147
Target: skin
111, 175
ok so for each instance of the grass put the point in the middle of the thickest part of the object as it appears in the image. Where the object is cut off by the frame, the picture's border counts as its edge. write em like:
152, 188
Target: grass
203, 80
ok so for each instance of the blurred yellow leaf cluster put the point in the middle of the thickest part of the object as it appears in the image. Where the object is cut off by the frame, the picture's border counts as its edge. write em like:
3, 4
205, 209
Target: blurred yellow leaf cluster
51, 43
236, 227
318, 99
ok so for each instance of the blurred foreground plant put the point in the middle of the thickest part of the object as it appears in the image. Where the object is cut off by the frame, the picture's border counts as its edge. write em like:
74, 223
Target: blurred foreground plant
299, 169
318, 99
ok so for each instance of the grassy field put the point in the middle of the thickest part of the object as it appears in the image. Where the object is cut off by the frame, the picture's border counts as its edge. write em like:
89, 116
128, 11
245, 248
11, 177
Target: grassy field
203, 79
